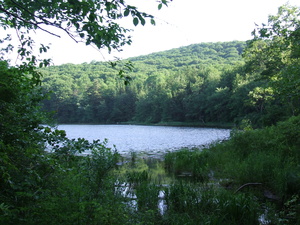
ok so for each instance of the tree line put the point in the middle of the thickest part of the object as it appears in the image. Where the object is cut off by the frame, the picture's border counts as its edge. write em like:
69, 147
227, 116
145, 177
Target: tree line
207, 82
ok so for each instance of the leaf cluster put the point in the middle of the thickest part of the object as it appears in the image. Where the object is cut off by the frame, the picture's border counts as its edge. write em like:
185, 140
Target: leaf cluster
274, 52
92, 22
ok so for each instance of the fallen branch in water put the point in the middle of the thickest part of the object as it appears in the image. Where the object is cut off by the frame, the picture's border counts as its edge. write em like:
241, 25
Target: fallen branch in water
245, 185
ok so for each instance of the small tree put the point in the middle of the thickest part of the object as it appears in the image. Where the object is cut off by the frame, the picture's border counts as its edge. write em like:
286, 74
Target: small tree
274, 54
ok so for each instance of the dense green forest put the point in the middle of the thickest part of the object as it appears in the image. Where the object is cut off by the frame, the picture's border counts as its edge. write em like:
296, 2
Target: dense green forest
251, 179
204, 83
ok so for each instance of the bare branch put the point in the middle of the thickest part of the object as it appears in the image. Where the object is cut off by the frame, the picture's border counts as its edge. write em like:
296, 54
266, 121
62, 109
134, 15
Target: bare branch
32, 14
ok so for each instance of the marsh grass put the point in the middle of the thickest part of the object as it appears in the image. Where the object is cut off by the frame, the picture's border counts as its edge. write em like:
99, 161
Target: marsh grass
206, 205
190, 163
187, 201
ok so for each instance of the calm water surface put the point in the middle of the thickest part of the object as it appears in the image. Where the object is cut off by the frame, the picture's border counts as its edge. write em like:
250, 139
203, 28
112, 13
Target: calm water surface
149, 139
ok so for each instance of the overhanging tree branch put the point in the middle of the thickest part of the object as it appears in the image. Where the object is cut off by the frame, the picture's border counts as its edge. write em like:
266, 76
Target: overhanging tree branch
28, 22
44, 21
91, 22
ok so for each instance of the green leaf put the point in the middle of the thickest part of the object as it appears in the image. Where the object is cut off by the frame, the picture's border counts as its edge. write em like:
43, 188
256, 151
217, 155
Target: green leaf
126, 13
92, 17
153, 22
76, 25
135, 21
159, 6
143, 21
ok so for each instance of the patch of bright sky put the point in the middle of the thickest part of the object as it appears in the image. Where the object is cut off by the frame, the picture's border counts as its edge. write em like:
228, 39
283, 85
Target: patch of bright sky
182, 23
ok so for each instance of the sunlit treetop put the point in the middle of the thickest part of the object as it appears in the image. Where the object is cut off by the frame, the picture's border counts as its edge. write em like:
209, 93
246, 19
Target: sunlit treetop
275, 43
274, 54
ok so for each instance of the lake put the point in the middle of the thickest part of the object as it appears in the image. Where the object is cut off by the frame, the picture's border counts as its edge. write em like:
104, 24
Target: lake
147, 139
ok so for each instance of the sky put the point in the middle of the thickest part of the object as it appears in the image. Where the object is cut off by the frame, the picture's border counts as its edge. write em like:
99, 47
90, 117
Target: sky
182, 23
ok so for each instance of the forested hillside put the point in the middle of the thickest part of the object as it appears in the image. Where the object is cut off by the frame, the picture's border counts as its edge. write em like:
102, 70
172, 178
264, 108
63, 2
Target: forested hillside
205, 82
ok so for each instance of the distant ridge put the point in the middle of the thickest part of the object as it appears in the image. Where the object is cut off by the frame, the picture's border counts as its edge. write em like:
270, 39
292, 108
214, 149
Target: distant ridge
194, 55
206, 52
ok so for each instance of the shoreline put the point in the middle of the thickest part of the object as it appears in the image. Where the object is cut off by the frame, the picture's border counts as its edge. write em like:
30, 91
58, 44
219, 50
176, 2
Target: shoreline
170, 124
